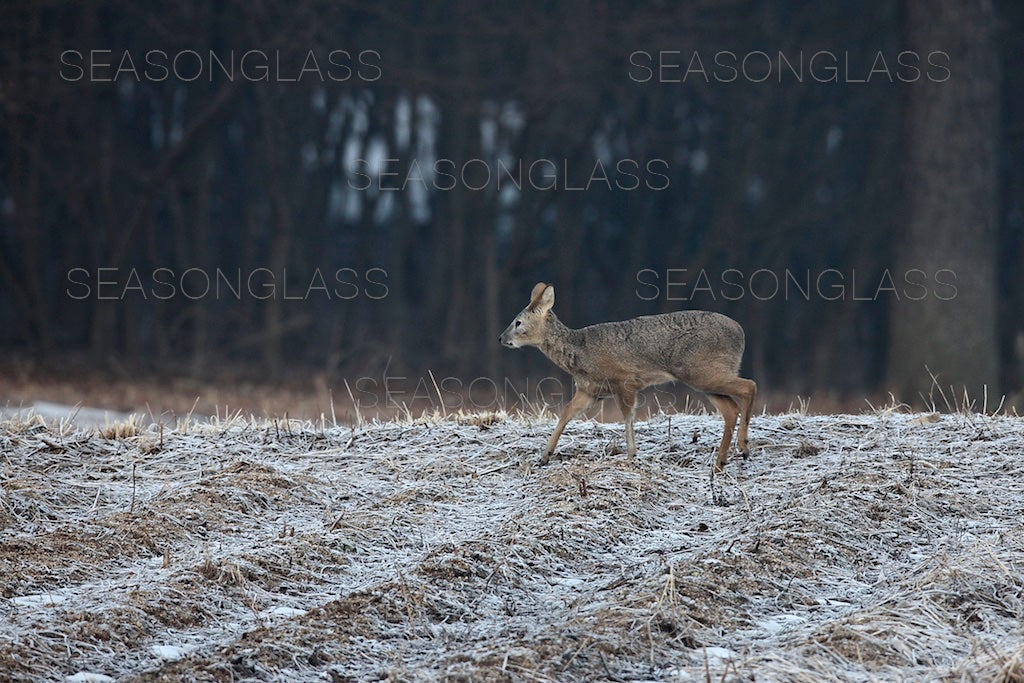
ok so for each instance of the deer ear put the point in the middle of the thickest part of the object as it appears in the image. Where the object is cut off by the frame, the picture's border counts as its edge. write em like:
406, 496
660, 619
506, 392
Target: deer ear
547, 299
538, 289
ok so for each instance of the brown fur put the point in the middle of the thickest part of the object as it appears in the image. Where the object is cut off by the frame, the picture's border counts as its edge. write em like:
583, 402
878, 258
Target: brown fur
700, 348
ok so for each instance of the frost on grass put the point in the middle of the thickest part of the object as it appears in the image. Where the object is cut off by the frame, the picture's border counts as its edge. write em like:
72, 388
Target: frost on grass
870, 547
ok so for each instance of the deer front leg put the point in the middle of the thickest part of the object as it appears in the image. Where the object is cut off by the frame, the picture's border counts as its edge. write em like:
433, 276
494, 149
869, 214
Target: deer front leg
580, 402
627, 404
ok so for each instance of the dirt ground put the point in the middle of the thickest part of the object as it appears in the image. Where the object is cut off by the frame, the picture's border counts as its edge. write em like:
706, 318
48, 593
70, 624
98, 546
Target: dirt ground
879, 546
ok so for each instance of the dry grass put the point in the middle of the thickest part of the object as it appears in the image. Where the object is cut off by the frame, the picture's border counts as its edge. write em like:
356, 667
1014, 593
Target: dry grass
880, 546
358, 396
133, 425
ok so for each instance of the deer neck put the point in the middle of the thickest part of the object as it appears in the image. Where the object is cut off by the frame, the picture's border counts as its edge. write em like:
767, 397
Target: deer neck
561, 344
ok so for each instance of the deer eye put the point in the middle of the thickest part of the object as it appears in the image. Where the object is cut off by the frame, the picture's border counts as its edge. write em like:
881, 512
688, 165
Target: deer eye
519, 323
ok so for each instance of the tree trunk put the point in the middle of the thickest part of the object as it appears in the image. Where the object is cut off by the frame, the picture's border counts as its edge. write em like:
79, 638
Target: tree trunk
952, 206
281, 229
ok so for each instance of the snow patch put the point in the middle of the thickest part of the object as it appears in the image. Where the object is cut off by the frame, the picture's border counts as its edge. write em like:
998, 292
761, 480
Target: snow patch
38, 600
169, 652
88, 677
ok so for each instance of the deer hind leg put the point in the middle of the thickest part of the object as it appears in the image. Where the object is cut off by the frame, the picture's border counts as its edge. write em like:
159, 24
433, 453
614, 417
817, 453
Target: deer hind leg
729, 409
746, 399
742, 391
627, 404
580, 402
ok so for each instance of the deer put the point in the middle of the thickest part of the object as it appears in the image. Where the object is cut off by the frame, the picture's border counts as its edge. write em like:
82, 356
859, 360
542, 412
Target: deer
702, 349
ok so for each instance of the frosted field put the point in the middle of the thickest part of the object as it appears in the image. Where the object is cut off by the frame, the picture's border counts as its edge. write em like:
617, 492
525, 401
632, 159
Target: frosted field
883, 546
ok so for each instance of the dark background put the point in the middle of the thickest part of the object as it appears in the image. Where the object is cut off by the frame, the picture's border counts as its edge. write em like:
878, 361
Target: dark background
905, 176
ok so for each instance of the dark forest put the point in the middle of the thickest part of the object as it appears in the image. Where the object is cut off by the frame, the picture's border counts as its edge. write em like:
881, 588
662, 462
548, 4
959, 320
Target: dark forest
356, 190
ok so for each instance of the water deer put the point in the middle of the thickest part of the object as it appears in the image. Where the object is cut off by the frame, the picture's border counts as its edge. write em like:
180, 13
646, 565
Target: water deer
700, 348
